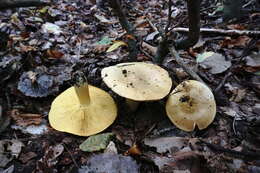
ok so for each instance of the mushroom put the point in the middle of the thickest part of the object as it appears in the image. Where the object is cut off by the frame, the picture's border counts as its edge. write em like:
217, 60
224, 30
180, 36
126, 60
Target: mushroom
137, 81
82, 110
191, 103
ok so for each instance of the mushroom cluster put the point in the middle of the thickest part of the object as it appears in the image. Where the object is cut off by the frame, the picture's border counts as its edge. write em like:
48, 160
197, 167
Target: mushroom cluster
191, 103
83, 110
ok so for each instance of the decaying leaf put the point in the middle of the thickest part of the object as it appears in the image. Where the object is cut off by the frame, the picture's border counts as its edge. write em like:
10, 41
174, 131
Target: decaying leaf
103, 19
33, 129
9, 149
51, 28
167, 144
203, 56
23, 119
40, 87
216, 63
4, 120
96, 142
42, 82
110, 163
50, 158
241, 41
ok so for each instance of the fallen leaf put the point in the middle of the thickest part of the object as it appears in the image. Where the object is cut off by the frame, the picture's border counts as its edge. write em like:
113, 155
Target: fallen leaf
252, 63
236, 26
8, 170
24, 120
116, 45
51, 53
203, 56
134, 150
33, 129
240, 41
9, 149
216, 63
105, 41
96, 142
110, 163
4, 120
111, 148
103, 19
53, 153
51, 28
167, 144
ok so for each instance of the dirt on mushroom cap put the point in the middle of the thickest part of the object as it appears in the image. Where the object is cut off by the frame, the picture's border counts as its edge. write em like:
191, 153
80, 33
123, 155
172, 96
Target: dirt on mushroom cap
191, 103
138, 81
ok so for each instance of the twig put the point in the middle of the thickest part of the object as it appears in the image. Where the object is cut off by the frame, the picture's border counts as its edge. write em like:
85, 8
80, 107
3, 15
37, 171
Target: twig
163, 47
4, 4
72, 158
229, 72
220, 31
246, 155
132, 45
187, 69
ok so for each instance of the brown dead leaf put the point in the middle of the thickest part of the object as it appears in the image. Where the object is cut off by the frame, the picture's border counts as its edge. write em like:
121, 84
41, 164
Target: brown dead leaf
24, 48
236, 26
130, 37
27, 119
54, 54
238, 95
241, 41
99, 48
134, 150
25, 157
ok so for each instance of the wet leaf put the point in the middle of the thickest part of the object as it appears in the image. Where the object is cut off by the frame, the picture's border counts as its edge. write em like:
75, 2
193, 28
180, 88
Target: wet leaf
110, 163
96, 142
116, 45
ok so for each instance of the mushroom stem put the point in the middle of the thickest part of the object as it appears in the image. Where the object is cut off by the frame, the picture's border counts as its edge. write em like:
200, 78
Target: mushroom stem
132, 105
83, 94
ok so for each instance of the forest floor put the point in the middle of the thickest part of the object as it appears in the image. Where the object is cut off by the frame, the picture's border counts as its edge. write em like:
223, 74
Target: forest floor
47, 45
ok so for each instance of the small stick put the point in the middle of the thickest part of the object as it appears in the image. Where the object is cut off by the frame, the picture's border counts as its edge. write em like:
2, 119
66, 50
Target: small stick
220, 31
4, 4
187, 69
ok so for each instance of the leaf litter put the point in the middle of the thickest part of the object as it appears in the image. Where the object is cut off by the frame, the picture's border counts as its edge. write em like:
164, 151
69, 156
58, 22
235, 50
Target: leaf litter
39, 51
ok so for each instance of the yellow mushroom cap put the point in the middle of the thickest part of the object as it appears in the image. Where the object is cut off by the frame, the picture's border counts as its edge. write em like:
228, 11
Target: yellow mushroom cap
67, 114
191, 103
138, 81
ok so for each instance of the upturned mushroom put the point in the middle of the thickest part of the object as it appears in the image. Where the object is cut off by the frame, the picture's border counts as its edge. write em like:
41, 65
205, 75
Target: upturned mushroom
137, 81
82, 110
191, 103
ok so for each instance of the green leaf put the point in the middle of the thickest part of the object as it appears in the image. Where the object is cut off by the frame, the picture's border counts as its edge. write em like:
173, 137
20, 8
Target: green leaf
116, 45
203, 56
96, 142
257, 73
105, 41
